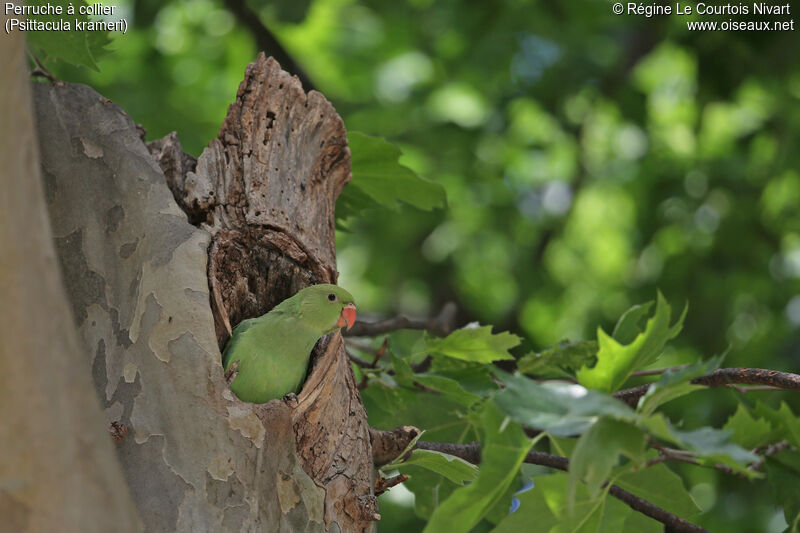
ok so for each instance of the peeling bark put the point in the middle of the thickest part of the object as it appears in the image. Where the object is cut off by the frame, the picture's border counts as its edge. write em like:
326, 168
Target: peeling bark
155, 294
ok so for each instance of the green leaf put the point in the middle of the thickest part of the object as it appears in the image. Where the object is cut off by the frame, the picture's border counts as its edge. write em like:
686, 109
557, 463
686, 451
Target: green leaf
660, 486
78, 47
559, 361
475, 378
351, 202
563, 446
616, 361
598, 451
783, 420
562, 409
639, 523
748, 431
453, 468
676, 383
430, 489
502, 506
783, 473
586, 515
439, 416
629, 324
357, 373
476, 344
708, 444
384, 379
503, 449
533, 509
442, 384
447, 387
402, 369
379, 180
565, 410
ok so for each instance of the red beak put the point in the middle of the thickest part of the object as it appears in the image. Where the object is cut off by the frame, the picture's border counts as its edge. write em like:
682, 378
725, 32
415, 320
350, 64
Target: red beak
347, 317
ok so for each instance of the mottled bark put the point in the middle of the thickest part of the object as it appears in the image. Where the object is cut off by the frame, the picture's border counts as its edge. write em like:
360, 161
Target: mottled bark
58, 470
143, 279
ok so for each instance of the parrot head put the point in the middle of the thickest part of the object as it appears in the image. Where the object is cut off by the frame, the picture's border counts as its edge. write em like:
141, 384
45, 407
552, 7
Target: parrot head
327, 308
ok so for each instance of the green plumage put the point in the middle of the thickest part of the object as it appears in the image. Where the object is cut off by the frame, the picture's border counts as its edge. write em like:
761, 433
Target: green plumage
273, 349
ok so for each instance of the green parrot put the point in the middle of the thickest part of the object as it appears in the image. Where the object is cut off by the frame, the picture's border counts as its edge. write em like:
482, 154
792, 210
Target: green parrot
269, 354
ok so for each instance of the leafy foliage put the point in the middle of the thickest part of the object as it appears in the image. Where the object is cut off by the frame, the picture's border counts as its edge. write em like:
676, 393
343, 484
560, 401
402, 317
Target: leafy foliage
476, 344
708, 444
533, 509
749, 431
453, 468
379, 180
76, 46
661, 486
504, 447
561, 409
674, 383
432, 381
606, 440
617, 360
584, 514
560, 361
784, 475
629, 324
598, 450
784, 422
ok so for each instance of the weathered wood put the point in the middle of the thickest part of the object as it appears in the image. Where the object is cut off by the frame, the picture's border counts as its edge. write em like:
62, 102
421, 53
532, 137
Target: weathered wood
266, 189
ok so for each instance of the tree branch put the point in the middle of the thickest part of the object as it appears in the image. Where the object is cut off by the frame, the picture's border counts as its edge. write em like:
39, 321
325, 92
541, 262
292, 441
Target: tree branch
441, 325
471, 453
750, 376
675, 522
358, 361
683, 456
724, 377
362, 346
266, 41
42, 71
417, 368
772, 449
388, 445
383, 484
376, 352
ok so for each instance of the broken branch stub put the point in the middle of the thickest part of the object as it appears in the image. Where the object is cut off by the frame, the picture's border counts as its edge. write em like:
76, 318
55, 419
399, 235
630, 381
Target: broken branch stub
266, 190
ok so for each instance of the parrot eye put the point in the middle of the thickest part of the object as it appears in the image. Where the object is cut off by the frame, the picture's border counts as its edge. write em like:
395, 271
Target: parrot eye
332, 297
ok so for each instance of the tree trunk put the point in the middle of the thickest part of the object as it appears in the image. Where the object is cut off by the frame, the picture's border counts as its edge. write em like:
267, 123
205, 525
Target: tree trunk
157, 270
58, 470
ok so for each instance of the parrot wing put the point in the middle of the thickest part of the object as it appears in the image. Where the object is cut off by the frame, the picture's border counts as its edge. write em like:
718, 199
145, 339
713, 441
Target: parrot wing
236, 338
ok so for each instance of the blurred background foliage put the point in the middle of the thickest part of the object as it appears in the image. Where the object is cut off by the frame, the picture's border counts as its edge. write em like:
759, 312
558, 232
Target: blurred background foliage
588, 160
